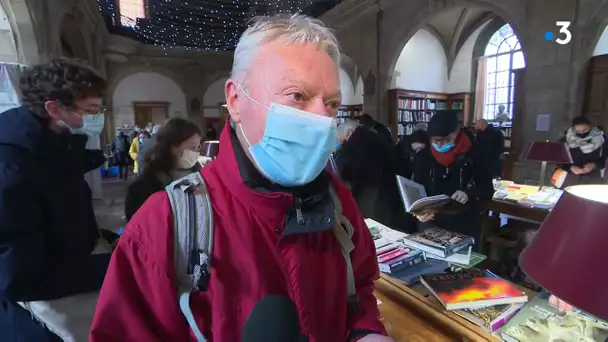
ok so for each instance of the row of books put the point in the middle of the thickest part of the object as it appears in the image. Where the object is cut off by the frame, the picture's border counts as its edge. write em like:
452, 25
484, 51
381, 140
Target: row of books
421, 104
478, 296
408, 116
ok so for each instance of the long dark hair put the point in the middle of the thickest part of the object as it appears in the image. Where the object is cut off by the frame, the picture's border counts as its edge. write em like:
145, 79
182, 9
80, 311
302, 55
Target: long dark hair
159, 159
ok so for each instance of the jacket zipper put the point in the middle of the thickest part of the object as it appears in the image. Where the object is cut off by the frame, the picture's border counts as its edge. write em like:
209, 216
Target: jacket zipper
299, 215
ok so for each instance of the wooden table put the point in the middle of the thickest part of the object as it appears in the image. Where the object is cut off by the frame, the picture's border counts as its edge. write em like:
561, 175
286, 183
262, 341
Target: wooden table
516, 211
412, 317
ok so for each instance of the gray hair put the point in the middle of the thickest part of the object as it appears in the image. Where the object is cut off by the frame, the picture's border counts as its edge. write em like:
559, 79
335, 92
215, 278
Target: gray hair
286, 29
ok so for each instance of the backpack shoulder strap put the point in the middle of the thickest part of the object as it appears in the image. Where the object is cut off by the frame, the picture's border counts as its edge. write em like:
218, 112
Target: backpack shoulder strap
344, 231
193, 240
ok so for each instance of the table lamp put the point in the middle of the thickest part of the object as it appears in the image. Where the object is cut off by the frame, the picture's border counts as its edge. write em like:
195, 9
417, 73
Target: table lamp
211, 148
566, 256
546, 152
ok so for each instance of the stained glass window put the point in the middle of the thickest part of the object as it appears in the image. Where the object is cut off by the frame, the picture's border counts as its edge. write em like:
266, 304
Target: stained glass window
504, 55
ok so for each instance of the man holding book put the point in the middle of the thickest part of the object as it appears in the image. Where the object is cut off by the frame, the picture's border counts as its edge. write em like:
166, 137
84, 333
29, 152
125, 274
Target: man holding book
452, 172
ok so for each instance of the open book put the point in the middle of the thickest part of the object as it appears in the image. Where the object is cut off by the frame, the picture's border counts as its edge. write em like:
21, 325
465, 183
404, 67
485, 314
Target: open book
415, 199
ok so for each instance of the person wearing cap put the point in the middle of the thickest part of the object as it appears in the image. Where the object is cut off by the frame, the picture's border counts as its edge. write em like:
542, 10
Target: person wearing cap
451, 171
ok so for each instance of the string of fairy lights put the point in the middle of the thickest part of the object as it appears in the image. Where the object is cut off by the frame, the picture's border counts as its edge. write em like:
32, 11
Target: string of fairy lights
201, 25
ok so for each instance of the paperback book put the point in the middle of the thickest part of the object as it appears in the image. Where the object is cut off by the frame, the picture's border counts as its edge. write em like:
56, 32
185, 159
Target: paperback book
472, 289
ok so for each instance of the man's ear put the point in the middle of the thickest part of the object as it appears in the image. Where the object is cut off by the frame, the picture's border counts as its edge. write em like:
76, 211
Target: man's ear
53, 109
232, 95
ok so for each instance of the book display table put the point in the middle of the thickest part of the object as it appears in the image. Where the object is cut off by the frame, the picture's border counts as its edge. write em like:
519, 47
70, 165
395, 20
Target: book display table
411, 316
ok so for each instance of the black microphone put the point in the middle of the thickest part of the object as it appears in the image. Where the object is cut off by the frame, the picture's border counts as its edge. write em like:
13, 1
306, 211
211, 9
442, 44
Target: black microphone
273, 319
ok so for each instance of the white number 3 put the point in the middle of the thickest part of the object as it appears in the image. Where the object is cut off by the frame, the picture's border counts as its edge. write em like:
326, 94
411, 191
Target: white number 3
563, 29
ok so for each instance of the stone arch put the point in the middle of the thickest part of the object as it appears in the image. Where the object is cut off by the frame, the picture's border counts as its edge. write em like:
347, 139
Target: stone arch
350, 67
482, 41
146, 86
71, 38
22, 27
122, 71
395, 42
213, 97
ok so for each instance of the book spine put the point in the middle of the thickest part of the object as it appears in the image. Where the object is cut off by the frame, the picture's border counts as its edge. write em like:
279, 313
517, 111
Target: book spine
390, 255
456, 248
501, 322
402, 264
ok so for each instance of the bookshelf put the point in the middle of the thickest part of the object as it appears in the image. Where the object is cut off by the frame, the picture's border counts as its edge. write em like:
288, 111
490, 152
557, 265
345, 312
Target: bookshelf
410, 107
462, 102
348, 111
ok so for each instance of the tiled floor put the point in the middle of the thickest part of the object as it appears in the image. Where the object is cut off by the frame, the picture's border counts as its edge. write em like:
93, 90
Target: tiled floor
110, 210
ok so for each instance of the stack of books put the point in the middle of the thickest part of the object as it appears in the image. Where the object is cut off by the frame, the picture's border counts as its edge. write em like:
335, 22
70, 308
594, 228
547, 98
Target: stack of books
478, 296
407, 257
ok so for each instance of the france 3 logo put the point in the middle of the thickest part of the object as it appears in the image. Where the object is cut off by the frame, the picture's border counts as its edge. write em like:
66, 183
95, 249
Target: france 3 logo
564, 36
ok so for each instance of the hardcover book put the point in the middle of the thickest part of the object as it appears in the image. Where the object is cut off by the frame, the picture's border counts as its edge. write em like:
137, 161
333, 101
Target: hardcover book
472, 288
438, 241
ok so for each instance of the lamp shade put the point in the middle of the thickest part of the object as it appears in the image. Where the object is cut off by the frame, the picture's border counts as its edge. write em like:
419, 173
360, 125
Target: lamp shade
211, 148
567, 256
547, 151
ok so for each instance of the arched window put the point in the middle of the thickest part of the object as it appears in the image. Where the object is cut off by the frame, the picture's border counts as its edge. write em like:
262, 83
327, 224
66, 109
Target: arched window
503, 55
131, 10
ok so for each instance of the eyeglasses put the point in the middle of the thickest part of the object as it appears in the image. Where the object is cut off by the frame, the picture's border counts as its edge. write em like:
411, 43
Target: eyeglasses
100, 111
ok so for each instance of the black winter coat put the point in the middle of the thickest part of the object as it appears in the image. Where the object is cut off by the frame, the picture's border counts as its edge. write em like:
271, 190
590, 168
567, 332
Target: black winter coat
47, 224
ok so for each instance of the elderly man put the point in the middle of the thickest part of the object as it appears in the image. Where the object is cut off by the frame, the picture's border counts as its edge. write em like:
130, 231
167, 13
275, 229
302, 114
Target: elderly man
270, 203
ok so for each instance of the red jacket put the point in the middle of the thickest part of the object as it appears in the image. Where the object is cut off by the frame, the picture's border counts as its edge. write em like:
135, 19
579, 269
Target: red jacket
138, 301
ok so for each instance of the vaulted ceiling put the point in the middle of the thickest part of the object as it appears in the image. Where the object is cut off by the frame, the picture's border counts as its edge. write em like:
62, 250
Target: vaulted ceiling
452, 28
211, 25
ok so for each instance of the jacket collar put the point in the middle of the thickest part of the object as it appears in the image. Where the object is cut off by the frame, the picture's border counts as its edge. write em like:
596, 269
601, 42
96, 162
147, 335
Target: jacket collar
242, 177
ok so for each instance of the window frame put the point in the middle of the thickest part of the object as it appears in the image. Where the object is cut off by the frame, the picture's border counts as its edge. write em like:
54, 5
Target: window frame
491, 103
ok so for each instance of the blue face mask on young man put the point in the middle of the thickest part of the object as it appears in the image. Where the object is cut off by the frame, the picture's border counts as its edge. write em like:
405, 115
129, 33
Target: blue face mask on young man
444, 148
296, 144
92, 125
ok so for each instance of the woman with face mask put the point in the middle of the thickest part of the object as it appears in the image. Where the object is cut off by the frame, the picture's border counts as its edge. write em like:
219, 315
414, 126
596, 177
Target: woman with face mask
174, 155
587, 148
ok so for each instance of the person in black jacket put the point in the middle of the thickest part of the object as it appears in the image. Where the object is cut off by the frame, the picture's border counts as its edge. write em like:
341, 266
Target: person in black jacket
47, 224
120, 152
174, 155
588, 148
451, 171
491, 144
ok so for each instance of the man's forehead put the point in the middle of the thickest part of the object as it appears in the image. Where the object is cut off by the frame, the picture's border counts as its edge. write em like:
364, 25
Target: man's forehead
296, 63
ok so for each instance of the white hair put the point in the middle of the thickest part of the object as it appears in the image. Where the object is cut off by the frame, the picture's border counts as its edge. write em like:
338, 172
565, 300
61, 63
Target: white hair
285, 29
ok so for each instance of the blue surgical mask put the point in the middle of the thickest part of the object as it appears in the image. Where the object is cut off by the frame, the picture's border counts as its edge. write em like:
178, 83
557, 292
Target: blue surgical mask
92, 125
443, 148
296, 144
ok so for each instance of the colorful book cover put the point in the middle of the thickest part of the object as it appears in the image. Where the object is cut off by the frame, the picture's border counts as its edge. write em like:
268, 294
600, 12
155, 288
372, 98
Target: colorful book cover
472, 289
538, 321
490, 318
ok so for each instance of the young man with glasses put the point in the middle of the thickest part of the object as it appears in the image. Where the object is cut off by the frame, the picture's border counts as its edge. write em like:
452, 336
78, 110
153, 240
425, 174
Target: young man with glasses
47, 224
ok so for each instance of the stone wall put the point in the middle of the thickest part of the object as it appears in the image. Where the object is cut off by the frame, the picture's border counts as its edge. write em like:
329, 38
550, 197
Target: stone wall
373, 33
